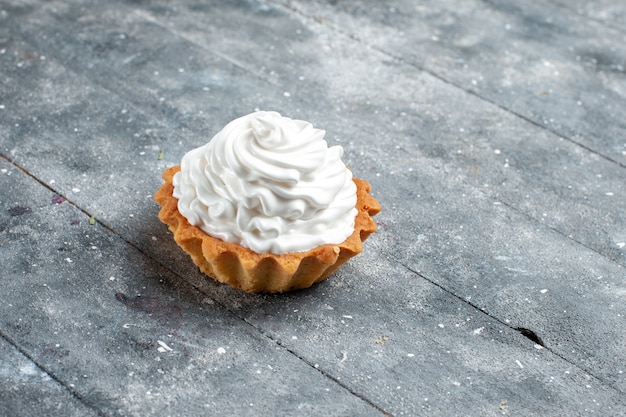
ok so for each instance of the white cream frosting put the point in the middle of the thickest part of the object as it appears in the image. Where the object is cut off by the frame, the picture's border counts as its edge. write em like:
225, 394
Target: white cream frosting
268, 183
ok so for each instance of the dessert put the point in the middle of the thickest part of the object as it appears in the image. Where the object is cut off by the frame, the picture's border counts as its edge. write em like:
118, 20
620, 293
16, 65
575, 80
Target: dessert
266, 205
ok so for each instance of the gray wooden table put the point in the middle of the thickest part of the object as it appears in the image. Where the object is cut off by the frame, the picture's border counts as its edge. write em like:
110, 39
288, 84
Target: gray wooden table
494, 136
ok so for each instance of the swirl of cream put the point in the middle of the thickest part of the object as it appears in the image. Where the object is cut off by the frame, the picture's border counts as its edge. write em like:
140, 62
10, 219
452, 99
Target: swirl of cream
268, 183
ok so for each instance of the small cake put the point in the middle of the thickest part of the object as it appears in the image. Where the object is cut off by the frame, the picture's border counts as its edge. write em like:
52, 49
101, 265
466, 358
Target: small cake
266, 205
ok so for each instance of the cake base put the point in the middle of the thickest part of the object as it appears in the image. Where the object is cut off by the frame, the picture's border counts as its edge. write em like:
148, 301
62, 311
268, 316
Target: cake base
264, 272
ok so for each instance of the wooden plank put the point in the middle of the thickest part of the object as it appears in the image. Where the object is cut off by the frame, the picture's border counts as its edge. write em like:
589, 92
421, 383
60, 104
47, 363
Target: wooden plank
609, 12
28, 390
540, 61
104, 323
124, 335
550, 179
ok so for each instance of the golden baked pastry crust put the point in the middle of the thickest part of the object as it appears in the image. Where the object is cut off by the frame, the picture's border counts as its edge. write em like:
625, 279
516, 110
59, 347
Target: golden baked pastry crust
264, 272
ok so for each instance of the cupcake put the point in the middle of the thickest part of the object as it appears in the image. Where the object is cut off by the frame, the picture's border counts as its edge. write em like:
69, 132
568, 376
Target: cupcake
266, 205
